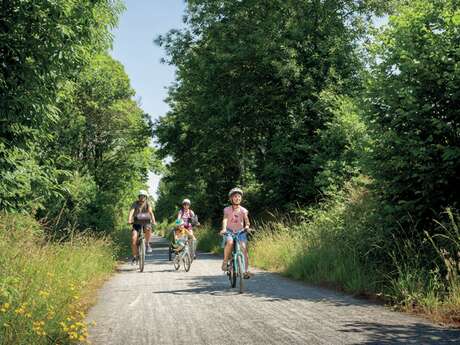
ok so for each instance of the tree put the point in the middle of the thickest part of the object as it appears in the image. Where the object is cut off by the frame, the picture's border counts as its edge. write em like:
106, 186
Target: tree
42, 44
247, 107
414, 102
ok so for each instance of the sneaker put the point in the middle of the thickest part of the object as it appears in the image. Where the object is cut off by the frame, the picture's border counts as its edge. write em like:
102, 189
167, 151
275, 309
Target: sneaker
149, 249
133, 260
246, 275
224, 266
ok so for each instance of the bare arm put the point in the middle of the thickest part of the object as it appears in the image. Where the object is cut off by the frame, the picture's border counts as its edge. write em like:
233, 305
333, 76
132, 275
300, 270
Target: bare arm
130, 216
246, 221
152, 216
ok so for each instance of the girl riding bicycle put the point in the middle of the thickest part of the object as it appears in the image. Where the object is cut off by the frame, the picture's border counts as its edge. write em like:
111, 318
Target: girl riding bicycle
187, 215
235, 219
189, 218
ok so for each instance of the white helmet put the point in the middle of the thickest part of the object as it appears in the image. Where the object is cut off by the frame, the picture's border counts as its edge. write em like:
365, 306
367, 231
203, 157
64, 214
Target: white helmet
186, 201
143, 192
235, 190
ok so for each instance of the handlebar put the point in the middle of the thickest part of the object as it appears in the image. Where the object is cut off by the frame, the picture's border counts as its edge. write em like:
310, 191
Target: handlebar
249, 230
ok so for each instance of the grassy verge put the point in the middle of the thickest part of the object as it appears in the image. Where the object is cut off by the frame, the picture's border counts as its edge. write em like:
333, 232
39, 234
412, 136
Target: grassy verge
341, 244
46, 288
209, 239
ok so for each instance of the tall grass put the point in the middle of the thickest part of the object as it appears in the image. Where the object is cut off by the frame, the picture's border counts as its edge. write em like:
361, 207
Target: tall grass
209, 239
46, 288
430, 289
344, 244
328, 247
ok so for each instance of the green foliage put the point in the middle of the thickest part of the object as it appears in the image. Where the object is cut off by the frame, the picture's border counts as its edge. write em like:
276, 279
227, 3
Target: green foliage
414, 102
344, 143
209, 239
332, 246
74, 146
45, 288
247, 108
42, 44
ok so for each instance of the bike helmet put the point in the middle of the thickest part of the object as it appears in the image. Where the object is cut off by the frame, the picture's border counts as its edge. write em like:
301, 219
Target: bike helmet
186, 201
235, 190
143, 192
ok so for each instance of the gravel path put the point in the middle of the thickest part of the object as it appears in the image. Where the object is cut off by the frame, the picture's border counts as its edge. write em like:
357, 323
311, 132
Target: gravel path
164, 306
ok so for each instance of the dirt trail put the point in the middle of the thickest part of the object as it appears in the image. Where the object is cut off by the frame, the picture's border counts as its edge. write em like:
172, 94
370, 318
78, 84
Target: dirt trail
164, 306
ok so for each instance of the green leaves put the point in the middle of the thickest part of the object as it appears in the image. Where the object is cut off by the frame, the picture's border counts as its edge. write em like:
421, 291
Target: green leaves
415, 112
246, 108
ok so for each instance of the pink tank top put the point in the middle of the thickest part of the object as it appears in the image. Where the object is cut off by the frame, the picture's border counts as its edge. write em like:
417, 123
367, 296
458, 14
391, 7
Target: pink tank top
235, 218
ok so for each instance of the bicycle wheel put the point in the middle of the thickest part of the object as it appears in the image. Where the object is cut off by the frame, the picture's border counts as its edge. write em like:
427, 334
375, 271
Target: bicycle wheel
240, 272
176, 262
232, 274
141, 254
187, 261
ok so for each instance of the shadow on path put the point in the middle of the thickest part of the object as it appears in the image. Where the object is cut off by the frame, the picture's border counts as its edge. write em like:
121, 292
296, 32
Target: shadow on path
418, 333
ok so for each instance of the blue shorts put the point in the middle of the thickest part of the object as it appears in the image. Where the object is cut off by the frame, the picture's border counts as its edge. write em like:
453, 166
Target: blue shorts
243, 237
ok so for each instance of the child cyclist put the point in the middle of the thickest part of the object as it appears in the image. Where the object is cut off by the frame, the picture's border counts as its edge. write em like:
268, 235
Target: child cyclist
187, 216
181, 235
235, 219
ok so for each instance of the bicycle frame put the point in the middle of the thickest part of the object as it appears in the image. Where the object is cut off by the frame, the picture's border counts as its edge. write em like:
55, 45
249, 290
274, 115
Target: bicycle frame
183, 256
141, 248
237, 263
236, 250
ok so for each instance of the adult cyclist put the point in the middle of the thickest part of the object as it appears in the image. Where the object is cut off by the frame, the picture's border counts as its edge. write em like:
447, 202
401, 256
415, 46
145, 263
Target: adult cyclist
141, 218
235, 219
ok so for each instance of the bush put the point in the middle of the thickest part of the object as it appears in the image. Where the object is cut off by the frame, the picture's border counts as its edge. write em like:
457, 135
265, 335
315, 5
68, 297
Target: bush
45, 288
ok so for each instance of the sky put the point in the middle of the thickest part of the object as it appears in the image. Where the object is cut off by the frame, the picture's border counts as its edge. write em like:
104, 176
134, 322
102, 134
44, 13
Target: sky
133, 46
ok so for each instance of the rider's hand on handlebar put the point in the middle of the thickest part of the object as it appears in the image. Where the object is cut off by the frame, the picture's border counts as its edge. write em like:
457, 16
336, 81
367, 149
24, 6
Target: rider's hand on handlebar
223, 232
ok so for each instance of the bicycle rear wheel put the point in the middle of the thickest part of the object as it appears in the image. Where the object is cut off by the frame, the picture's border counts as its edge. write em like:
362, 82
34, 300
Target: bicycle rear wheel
187, 261
141, 251
240, 273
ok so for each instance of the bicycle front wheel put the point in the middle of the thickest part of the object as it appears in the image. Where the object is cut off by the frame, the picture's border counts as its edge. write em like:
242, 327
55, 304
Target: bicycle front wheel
141, 254
187, 262
176, 262
240, 273
232, 274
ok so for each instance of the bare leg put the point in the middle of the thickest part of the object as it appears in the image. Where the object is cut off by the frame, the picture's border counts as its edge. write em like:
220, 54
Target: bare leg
227, 253
148, 235
246, 257
134, 243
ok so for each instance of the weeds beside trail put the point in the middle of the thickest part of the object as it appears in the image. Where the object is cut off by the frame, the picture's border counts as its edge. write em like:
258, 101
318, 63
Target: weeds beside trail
46, 288
343, 245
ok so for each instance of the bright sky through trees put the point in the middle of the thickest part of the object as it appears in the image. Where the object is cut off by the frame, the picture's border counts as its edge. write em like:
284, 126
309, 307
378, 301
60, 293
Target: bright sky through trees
140, 24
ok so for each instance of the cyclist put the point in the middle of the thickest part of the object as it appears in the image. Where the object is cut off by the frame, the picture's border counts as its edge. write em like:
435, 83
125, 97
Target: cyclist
187, 216
141, 218
235, 219
181, 234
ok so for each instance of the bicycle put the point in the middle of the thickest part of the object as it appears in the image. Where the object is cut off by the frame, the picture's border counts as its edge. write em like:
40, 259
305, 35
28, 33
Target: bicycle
236, 264
183, 256
141, 249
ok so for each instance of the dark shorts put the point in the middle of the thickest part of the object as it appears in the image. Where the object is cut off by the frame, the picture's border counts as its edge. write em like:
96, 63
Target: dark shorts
138, 227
